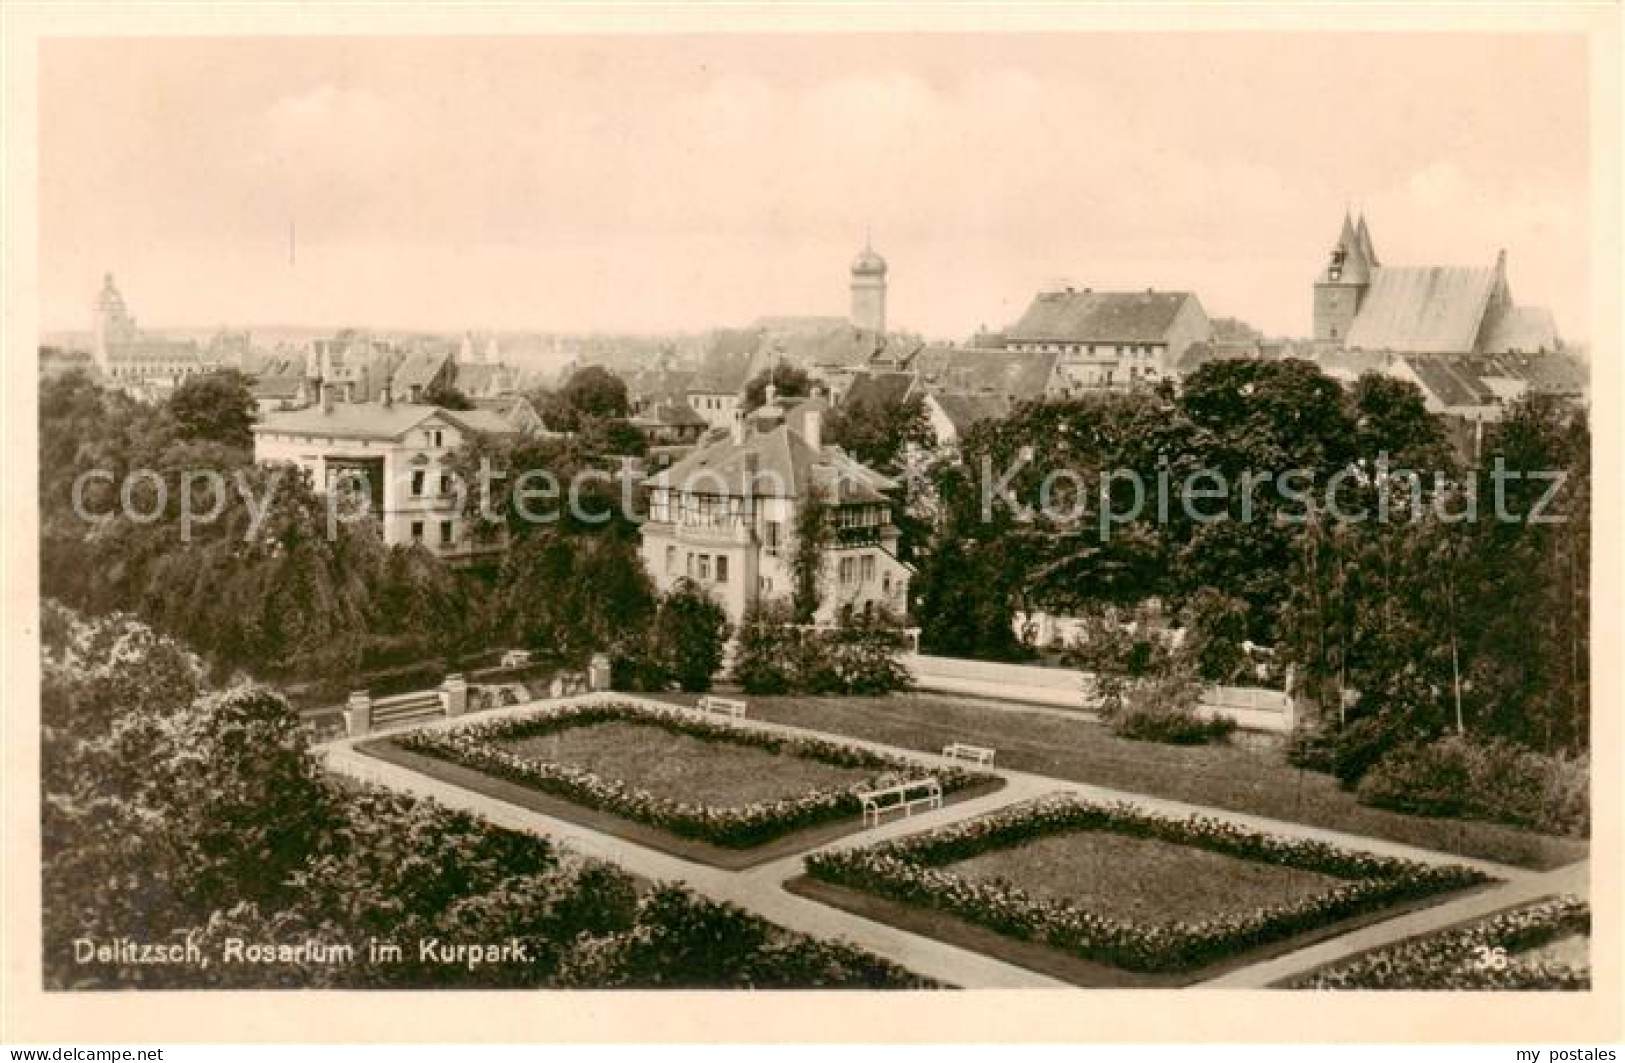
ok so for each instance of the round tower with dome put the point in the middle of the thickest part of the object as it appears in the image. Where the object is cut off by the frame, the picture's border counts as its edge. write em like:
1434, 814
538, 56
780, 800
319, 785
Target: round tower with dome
869, 290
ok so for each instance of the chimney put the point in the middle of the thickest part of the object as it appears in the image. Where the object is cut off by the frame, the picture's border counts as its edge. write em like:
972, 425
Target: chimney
814, 429
327, 398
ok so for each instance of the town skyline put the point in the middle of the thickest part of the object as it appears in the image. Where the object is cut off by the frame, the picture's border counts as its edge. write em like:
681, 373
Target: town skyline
679, 197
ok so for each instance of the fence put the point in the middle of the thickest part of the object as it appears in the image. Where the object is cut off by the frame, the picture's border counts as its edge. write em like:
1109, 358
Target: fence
1253, 708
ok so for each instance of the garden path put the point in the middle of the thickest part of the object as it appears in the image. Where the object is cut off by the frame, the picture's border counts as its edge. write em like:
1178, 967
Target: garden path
1573, 879
760, 889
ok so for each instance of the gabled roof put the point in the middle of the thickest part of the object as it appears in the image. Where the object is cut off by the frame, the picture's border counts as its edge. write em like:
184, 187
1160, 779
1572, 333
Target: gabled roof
1553, 373
796, 415
419, 371
372, 420
879, 389
1099, 317
963, 411
482, 376
777, 463
842, 346
668, 415
276, 387
1453, 382
1423, 309
1018, 375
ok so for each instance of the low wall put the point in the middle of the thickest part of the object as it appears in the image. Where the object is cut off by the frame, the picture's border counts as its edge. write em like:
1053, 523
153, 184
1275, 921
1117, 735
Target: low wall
1253, 708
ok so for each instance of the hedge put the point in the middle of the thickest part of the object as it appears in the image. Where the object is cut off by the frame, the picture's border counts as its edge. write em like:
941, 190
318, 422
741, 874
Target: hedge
911, 871
1478, 957
481, 746
1493, 779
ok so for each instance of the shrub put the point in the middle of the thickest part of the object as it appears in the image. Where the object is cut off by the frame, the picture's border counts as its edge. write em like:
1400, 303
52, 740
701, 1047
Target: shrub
690, 631
1428, 780
858, 657
1362, 743
1312, 745
1164, 709
1491, 779
1176, 729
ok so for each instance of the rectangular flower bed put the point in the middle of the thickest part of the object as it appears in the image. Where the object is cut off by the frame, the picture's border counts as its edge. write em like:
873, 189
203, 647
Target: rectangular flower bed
511, 749
918, 871
1500, 952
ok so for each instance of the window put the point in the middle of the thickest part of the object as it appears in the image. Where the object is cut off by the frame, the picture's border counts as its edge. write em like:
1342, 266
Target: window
445, 483
771, 531
846, 570
445, 532
417, 483
722, 569
705, 566
867, 568
671, 558
417, 531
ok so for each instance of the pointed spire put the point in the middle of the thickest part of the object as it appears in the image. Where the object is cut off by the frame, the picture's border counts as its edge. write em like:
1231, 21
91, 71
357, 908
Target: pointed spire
1366, 247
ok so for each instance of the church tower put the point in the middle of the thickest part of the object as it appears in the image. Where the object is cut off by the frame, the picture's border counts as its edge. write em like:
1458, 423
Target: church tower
869, 291
111, 323
1342, 285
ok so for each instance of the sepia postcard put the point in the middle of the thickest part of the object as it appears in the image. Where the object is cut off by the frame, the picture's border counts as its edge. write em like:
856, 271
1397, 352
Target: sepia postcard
812, 523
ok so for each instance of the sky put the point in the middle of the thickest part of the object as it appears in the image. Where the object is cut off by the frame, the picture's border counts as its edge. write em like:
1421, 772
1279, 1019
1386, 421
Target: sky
652, 184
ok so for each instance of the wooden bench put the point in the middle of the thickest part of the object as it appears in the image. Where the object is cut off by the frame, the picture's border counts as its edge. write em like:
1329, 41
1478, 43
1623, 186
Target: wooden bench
726, 706
907, 796
975, 754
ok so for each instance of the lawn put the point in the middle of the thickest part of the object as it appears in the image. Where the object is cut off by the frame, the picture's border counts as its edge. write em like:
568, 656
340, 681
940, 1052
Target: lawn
684, 768
1140, 879
1240, 777
720, 792
1111, 894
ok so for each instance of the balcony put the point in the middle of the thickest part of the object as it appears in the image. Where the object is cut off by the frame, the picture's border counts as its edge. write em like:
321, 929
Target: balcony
712, 533
862, 535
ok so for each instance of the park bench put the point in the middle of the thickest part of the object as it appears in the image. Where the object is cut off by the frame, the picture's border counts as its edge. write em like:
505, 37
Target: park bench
515, 659
975, 754
907, 796
726, 706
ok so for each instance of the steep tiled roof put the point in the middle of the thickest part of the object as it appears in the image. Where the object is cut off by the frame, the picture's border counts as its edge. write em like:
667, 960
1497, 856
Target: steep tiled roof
879, 389
843, 346
784, 466
1099, 317
1018, 375
963, 411
417, 370
1454, 382
1423, 309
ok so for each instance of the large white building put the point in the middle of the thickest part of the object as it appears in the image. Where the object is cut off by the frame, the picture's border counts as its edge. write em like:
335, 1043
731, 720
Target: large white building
135, 361
394, 453
726, 515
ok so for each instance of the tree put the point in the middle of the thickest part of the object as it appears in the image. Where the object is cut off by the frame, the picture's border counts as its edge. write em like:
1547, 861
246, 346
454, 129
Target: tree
594, 391
812, 536
216, 407
788, 380
878, 433
690, 631
447, 397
